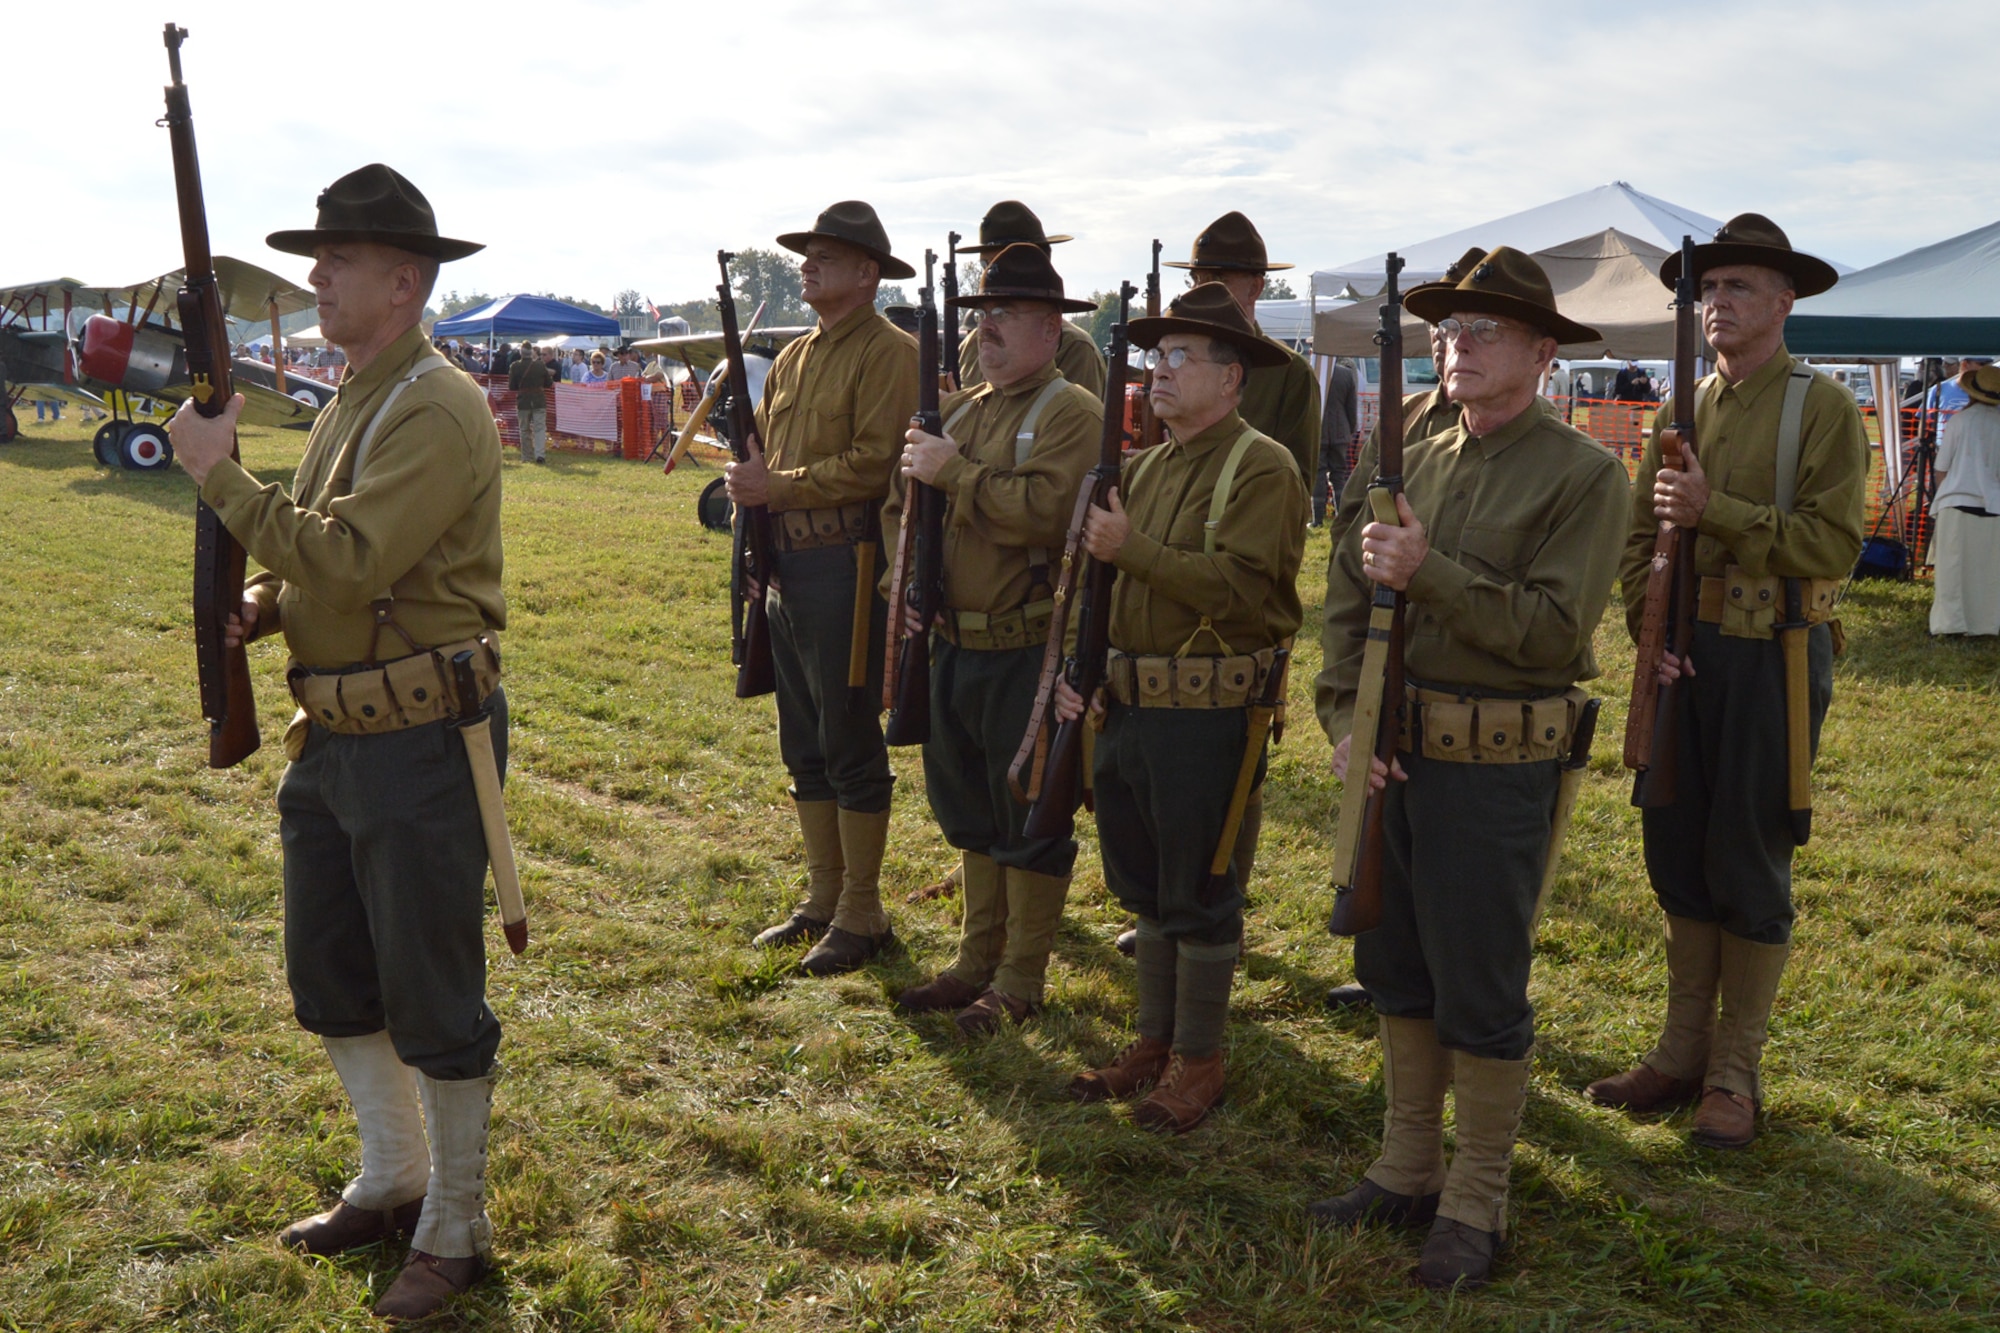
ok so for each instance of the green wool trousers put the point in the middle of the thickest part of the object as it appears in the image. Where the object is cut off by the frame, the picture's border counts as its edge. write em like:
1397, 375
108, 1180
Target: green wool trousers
830, 736
980, 702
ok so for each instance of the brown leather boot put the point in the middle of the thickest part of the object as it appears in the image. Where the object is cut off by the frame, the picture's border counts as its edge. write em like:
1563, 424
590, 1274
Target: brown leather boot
943, 991
1185, 1094
1457, 1254
1127, 942
1643, 1088
426, 1284
1135, 1067
1368, 1204
843, 951
797, 929
1726, 1120
991, 1011
345, 1227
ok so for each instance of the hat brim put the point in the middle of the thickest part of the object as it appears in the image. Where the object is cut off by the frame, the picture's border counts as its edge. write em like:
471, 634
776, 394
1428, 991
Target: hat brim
304, 241
1205, 266
1069, 305
1432, 304
1810, 276
1975, 391
1260, 352
892, 267
987, 251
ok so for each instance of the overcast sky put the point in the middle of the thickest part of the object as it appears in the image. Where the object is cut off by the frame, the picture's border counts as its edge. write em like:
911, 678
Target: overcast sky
595, 145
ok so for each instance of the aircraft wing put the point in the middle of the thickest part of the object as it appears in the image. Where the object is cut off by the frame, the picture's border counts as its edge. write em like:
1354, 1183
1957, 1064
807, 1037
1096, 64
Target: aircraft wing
247, 294
703, 350
262, 406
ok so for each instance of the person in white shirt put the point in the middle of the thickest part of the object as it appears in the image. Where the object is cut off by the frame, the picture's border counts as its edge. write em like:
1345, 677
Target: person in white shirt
1965, 547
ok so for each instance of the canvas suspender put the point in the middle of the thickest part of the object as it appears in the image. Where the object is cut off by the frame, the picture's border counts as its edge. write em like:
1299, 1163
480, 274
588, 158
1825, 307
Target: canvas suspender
417, 372
1791, 424
1024, 444
1224, 482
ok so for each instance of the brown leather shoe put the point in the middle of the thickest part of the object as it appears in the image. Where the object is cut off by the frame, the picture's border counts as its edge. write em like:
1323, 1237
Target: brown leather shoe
1726, 1120
842, 951
1127, 942
345, 1227
943, 991
1351, 996
1457, 1255
426, 1283
798, 929
1368, 1204
991, 1011
1135, 1067
1643, 1088
1185, 1094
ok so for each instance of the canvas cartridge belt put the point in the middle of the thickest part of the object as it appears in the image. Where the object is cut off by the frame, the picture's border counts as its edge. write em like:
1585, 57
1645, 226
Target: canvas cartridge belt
1023, 627
390, 696
810, 529
1464, 728
1187, 682
1749, 606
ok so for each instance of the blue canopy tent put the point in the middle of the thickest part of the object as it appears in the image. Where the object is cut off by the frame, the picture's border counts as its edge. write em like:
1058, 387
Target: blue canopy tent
525, 317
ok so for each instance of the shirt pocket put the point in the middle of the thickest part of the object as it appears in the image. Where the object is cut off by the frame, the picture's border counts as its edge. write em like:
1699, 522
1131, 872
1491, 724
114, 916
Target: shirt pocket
1502, 553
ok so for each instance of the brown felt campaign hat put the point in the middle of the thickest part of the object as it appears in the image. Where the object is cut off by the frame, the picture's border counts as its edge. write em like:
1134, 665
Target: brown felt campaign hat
855, 223
1981, 384
1752, 238
1210, 310
376, 204
1505, 282
1229, 242
1021, 272
1010, 222
1453, 275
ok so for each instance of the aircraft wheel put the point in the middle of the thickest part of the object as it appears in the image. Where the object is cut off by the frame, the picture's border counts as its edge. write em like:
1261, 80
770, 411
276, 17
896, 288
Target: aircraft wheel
10, 425
145, 447
713, 507
105, 444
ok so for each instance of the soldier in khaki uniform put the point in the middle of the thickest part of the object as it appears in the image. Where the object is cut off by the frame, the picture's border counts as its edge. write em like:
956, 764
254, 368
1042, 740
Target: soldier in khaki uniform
1208, 551
834, 410
1720, 857
384, 563
1011, 222
1511, 527
1011, 460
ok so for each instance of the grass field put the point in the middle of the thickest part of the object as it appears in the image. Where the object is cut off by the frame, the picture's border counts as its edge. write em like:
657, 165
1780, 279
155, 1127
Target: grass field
689, 1137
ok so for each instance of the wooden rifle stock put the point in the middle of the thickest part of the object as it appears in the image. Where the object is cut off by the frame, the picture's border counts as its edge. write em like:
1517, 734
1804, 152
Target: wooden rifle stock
750, 621
1667, 624
227, 700
1379, 701
1059, 790
917, 579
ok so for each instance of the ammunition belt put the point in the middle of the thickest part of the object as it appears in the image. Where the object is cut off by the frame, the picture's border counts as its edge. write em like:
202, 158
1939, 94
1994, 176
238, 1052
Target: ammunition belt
1749, 606
810, 529
1463, 728
1187, 682
390, 696
1023, 627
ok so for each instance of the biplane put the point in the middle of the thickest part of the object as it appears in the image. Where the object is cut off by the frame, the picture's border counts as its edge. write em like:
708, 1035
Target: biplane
107, 347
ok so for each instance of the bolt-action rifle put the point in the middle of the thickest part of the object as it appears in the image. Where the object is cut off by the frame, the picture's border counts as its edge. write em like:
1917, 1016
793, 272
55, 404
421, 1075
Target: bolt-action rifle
750, 567
227, 700
916, 580
1150, 430
953, 343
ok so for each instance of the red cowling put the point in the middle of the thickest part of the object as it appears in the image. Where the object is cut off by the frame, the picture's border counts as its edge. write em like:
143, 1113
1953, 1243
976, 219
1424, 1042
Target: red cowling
107, 349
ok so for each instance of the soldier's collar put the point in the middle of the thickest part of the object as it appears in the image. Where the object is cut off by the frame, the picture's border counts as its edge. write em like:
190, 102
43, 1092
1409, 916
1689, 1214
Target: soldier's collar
1752, 387
1497, 442
394, 361
1032, 383
849, 322
1221, 433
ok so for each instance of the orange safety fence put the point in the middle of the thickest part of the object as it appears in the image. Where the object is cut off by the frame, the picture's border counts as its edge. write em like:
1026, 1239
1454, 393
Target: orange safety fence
646, 415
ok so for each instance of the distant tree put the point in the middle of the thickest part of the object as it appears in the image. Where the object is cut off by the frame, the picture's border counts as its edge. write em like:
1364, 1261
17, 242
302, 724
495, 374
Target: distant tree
1098, 323
454, 304
771, 278
1277, 289
581, 303
969, 274
701, 314
628, 302
886, 296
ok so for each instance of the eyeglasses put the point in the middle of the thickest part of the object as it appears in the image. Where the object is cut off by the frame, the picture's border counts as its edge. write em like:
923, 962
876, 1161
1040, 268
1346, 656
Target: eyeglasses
1484, 331
1173, 360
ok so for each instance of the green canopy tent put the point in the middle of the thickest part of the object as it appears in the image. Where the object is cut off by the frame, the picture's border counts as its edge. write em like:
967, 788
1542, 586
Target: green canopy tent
1941, 300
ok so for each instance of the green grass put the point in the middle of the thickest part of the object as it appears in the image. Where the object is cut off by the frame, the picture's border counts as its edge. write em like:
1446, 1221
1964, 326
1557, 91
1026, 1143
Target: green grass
688, 1137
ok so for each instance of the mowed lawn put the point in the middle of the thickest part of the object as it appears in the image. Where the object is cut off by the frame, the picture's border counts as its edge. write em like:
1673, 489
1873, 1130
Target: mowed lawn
688, 1136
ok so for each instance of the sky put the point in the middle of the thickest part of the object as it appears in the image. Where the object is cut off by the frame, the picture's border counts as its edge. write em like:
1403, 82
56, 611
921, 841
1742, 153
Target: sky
598, 145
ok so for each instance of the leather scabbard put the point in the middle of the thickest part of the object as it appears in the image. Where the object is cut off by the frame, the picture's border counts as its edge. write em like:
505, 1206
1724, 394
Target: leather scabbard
478, 736
1793, 639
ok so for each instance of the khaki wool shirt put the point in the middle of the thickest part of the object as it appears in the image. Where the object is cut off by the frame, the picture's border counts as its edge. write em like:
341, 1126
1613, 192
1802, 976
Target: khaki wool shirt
1525, 526
998, 513
1077, 358
1249, 589
834, 410
1736, 441
420, 524
1283, 403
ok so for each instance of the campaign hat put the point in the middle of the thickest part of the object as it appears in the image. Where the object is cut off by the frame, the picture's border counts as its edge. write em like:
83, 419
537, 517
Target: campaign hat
854, 223
1752, 238
1505, 282
1021, 272
1010, 222
1229, 242
1460, 266
1210, 310
375, 203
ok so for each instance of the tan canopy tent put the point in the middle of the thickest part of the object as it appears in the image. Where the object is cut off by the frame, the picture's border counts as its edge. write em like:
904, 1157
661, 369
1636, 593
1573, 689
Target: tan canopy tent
1609, 281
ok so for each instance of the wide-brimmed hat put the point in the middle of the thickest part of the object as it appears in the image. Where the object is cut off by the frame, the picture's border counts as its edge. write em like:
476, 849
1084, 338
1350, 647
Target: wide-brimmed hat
1752, 238
1010, 222
1021, 272
1229, 242
377, 204
1981, 384
855, 223
1453, 275
1504, 282
1210, 310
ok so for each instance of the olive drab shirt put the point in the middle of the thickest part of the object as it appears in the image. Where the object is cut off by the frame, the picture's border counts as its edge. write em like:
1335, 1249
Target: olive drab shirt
1248, 589
1736, 440
835, 407
421, 523
1077, 358
1525, 525
1283, 403
998, 513
530, 378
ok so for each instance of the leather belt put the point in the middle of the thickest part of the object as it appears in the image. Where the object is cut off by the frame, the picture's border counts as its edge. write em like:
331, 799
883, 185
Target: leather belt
810, 529
1023, 627
391, 696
